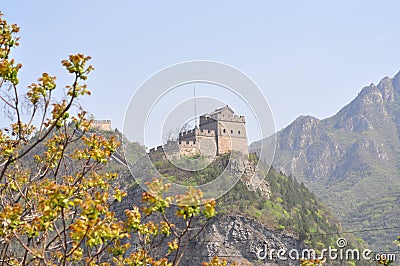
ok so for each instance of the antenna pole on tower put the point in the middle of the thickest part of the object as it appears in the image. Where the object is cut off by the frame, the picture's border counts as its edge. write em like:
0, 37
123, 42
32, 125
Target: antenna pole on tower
195, 107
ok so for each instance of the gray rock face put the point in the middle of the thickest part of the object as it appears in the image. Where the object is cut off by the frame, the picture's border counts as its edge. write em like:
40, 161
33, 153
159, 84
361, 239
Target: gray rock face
350, 158
240, 239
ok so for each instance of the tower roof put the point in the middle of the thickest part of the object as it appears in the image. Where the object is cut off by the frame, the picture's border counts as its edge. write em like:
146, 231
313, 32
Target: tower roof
221, 110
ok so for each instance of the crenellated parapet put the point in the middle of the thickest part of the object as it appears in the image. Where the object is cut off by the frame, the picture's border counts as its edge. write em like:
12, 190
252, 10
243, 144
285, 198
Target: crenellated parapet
228, 118
197, 132
157, 149
187, 144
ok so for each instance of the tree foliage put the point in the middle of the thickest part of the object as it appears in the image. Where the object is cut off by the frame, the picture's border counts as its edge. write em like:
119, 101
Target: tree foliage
55, 192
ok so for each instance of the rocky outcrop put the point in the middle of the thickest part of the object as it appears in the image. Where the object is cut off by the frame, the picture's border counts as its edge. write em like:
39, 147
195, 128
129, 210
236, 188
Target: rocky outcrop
240, 239
254, 180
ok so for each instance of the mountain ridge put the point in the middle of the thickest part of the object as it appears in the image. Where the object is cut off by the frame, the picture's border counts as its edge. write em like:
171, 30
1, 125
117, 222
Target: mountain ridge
349, 156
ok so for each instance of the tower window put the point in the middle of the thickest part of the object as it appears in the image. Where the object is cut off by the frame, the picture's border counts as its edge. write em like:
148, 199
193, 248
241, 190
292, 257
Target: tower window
239, 132
231, 131
224, 130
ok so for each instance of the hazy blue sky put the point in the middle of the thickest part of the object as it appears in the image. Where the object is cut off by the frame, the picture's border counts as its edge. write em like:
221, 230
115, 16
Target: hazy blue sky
308, 57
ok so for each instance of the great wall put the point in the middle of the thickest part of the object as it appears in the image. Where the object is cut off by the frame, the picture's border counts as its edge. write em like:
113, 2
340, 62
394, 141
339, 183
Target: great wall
218, 132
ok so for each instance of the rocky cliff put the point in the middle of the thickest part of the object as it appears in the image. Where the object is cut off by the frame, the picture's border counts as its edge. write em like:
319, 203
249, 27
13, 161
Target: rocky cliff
241, 239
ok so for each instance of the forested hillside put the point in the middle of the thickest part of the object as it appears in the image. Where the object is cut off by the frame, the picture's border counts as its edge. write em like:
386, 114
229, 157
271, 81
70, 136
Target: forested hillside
288, 208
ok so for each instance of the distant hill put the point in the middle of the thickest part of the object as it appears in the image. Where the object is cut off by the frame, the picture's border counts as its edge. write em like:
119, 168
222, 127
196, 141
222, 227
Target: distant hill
351, 161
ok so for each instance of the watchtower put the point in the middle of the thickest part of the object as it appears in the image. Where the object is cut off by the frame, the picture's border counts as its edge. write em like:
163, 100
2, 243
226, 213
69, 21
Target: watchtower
223, 127
102, 125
